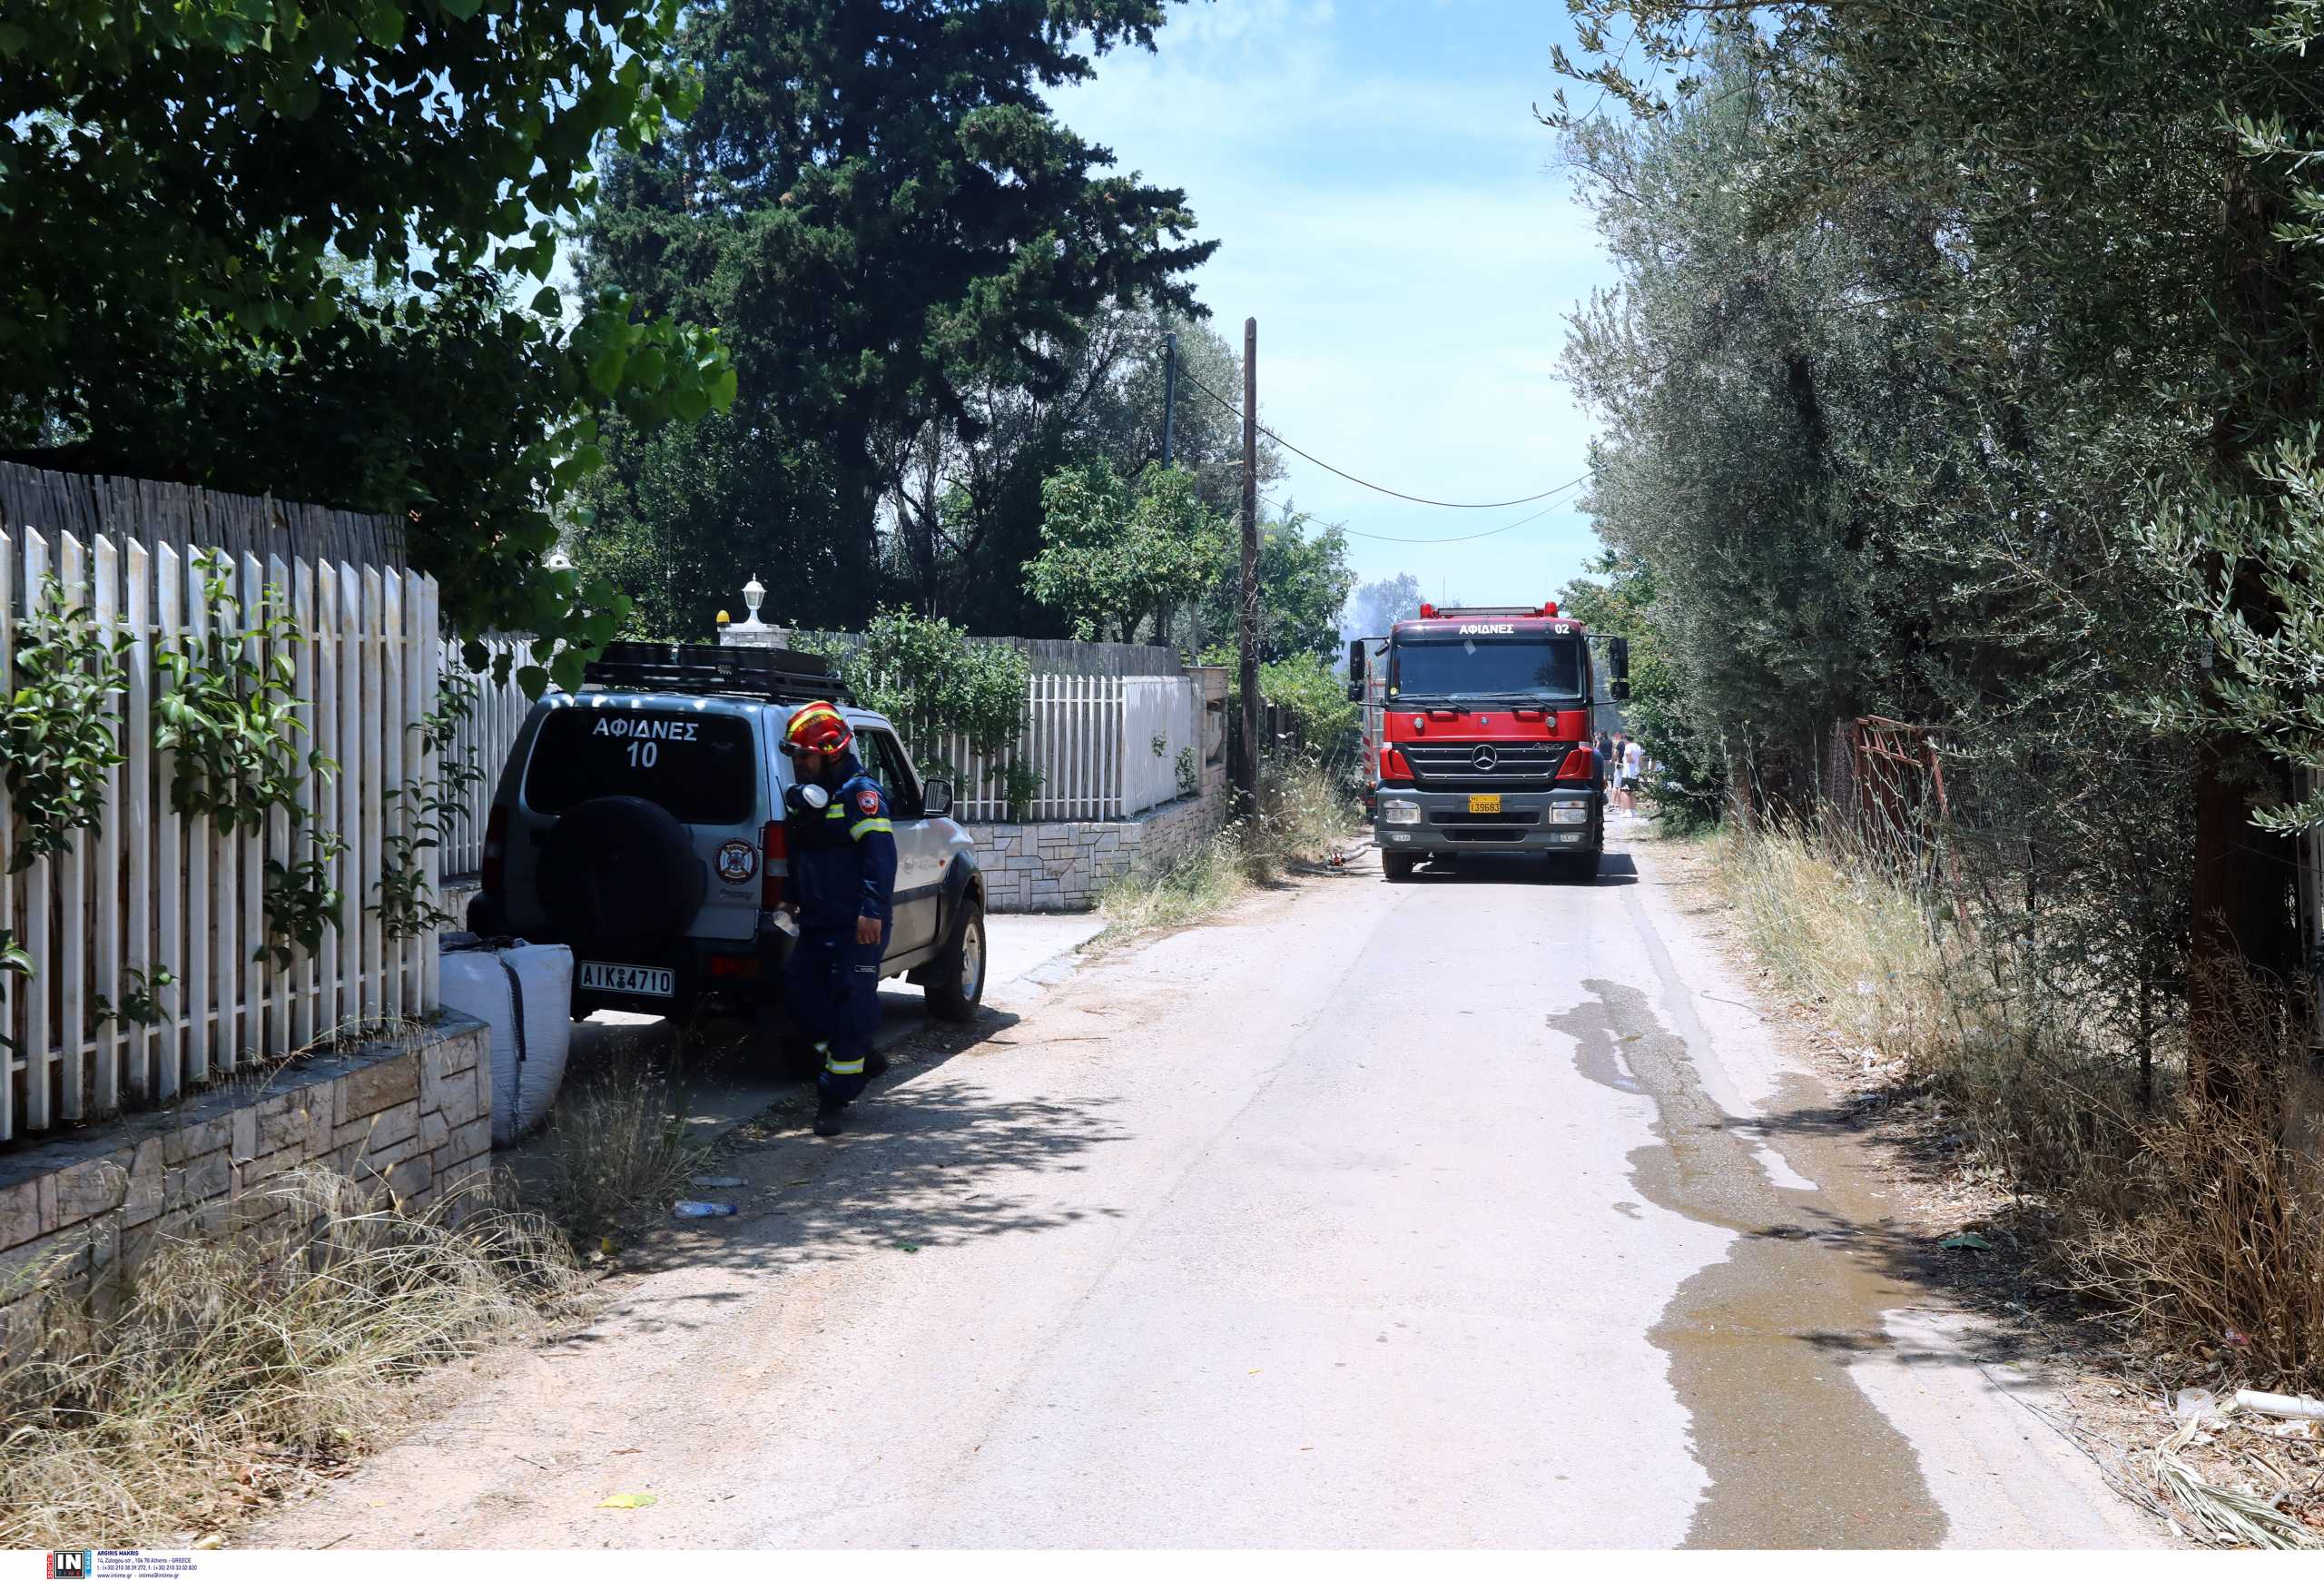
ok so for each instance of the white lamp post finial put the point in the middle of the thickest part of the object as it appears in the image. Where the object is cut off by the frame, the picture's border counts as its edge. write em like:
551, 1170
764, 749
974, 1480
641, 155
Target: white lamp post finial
754, 595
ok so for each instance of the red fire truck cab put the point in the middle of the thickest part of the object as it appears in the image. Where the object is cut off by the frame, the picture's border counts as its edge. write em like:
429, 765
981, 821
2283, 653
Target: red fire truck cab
1480, 721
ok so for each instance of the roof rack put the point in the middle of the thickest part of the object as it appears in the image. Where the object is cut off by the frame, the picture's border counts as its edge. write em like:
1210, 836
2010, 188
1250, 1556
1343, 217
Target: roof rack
777, 674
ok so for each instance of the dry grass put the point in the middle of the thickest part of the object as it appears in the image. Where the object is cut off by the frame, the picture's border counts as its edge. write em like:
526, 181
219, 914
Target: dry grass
1306, 816
2216, 1227
1198, 882
1923, 1000
1308, 813
616, 1153
2246, 1513
224, 1370
217, 1374
2200, 1223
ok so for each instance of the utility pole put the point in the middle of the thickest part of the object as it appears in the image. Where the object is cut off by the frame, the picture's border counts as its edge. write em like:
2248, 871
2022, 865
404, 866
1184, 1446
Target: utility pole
1249, 779
1169, 390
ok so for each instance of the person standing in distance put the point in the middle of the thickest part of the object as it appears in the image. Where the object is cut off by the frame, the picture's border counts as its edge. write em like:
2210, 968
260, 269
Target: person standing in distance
844, 878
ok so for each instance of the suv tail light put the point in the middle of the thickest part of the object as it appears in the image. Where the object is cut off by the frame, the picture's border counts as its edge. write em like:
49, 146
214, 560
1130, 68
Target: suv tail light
773, 846
495, 850
1393, 766
1581, 763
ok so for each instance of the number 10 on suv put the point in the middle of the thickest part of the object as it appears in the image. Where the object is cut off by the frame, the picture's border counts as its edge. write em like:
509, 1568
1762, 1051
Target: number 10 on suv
640, 821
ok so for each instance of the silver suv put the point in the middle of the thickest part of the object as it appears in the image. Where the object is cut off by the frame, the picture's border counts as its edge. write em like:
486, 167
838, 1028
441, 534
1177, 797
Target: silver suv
640, 821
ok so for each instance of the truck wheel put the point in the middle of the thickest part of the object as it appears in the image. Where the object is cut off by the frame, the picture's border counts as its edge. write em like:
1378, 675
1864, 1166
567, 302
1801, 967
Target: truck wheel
1581, 866
956, 986
1398, 865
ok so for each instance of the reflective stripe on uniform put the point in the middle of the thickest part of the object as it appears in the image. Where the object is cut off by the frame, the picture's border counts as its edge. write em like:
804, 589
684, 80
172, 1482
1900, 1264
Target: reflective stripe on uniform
836, 1067
835, 811
873, 827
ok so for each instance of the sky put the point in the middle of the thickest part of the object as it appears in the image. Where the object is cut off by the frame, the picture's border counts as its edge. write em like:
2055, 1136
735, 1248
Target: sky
1389, 210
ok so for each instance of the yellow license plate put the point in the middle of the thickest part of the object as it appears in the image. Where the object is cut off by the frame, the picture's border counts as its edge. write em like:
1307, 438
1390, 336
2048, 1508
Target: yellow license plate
1484, 803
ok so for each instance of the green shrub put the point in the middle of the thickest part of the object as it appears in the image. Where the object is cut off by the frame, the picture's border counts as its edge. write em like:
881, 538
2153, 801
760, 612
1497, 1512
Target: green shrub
932, 679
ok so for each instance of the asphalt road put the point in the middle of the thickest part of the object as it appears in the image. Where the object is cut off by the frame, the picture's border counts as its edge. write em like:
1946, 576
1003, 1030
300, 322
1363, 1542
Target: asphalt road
1480, 1210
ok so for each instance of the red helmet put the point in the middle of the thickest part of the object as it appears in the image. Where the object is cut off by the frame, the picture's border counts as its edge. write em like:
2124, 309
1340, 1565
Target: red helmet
818, 729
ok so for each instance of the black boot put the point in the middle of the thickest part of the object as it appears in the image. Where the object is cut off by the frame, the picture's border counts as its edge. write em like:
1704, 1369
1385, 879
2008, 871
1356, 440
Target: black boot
827, 1118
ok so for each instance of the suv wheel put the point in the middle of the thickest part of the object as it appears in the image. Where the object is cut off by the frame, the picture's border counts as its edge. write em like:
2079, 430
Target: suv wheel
956, 983
619, 874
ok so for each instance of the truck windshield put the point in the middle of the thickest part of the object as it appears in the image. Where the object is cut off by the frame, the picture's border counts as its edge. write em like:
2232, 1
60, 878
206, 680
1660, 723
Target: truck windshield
1469, 666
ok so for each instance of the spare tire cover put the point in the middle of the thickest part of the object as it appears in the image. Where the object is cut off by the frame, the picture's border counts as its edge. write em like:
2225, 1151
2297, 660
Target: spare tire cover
620, 870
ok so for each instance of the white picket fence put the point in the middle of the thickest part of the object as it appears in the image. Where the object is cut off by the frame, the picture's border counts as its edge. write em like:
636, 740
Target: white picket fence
1091, 740
482, 741
149, 891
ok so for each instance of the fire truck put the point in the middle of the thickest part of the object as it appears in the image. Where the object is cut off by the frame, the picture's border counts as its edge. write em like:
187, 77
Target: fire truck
1477, 727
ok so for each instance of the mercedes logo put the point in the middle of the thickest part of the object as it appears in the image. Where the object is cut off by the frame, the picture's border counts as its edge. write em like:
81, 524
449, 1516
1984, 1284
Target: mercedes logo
1485, 758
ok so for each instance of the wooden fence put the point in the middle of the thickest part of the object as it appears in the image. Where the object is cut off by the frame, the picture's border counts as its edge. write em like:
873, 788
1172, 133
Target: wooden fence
185, 518
149, 891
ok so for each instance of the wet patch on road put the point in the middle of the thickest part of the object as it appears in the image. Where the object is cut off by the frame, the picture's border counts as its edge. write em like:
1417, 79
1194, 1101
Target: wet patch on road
1796, 1455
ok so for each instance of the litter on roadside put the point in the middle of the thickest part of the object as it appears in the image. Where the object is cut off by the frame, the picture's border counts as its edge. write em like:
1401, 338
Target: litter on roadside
716, 1182
2298, 1406
2193, 1404
1967, 1240
690, 1209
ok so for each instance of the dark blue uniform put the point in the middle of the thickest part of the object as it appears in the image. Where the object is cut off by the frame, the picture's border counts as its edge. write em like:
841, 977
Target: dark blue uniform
842, 867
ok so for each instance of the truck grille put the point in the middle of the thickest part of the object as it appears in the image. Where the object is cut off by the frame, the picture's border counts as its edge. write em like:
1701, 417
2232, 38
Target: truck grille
1513, 765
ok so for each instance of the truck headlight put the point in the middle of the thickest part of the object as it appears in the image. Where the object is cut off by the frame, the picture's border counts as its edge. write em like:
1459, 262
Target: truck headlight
1399, 812
1573, 814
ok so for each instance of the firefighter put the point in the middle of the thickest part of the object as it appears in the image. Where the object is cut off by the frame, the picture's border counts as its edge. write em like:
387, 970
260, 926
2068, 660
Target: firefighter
844, 877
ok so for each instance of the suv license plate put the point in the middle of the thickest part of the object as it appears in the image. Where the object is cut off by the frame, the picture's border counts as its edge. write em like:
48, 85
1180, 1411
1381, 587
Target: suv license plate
1484, 803
654, 982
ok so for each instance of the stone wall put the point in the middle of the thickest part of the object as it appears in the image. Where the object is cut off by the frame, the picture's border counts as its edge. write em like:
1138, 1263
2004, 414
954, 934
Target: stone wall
1052, 867
413, 1114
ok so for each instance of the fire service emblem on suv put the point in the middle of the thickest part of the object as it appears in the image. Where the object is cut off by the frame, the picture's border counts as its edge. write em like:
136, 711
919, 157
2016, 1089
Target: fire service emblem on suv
737, 860
1484, 760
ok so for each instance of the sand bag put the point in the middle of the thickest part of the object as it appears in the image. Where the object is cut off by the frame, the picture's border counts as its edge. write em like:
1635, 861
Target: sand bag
524, 993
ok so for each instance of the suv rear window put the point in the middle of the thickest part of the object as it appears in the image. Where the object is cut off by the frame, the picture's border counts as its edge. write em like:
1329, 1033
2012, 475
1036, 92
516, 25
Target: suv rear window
697, 767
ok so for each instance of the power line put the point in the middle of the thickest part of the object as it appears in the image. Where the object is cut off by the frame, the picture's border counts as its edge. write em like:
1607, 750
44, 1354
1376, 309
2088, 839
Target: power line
1377, 487
1464, 538
1469, 536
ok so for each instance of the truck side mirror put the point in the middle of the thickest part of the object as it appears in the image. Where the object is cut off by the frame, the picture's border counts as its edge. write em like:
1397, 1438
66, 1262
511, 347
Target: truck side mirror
1618, 660
1355, 671
936, 798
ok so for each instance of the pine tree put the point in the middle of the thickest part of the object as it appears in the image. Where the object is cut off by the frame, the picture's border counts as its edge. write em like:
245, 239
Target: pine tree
876, 207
